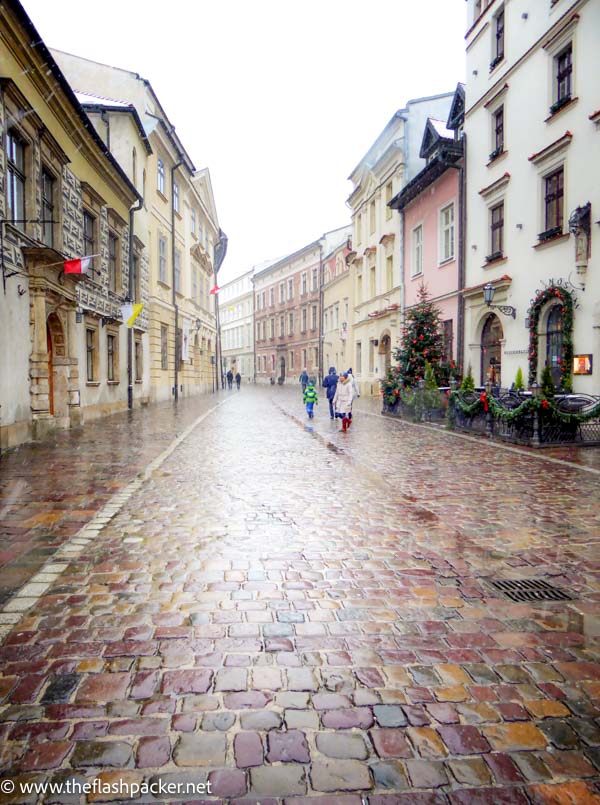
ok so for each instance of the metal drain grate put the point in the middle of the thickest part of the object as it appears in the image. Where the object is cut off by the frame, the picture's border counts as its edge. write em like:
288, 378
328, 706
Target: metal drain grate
529, 590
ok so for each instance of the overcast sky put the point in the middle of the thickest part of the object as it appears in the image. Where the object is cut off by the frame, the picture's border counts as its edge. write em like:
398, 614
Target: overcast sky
279, 99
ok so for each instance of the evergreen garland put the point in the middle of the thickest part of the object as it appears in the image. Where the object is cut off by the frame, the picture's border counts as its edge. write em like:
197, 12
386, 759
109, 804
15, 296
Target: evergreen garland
553, 292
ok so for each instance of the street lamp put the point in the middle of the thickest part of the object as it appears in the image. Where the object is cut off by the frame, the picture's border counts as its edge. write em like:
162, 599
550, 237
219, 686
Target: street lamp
488, 296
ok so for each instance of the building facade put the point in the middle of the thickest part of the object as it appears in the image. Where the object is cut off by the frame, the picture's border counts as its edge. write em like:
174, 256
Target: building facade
338, 301
430, 211
64, 196
532, 122
375, 263
236, 316
182, 227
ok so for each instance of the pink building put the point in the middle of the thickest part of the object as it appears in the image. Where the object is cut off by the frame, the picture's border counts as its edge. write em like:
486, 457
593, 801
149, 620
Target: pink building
430, 208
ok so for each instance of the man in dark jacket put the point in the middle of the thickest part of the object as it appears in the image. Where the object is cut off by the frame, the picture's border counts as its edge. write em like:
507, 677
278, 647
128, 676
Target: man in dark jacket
303, 379
330, 383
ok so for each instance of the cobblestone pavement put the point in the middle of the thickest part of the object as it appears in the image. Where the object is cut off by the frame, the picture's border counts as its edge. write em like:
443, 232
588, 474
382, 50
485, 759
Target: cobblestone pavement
282, 611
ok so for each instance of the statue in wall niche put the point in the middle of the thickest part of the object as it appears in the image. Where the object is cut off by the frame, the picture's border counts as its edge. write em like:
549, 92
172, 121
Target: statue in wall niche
580, 226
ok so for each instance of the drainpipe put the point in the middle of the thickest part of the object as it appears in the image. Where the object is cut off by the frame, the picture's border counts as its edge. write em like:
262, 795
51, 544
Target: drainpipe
174, 295
130, 298
460, 322
402, 275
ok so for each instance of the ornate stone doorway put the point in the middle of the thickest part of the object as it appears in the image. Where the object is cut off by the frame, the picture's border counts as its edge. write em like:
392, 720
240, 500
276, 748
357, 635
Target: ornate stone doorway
491, 350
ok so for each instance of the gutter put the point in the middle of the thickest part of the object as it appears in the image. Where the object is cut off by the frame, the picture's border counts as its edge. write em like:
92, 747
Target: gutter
174, 293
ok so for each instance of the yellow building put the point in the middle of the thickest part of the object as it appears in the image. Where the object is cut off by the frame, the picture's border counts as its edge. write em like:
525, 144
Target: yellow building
62, 340
182, 229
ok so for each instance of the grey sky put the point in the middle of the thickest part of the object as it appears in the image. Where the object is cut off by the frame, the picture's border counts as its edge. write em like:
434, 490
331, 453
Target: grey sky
279, 99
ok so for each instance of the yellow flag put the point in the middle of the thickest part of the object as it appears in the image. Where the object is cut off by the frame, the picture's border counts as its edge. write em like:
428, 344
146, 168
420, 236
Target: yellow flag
130, 313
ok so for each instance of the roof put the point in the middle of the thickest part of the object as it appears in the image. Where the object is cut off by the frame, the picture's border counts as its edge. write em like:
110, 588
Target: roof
447, 157
96, 103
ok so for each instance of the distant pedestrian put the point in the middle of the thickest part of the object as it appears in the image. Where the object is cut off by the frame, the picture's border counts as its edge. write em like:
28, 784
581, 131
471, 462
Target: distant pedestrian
330, 383
229, 379
355, 391
342, 402
310, 398
303, 379
238, 380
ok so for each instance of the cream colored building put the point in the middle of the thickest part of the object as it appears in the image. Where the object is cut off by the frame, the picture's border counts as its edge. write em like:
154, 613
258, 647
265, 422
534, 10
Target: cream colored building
63, 345
375, 266
182, 229
532, 122
236, 315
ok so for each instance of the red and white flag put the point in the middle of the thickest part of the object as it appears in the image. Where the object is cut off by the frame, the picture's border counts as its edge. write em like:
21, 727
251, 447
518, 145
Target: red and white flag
79, 266
216, 289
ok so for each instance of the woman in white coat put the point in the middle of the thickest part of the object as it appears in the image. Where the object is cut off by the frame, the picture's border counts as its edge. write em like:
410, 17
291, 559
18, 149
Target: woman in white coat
342, 402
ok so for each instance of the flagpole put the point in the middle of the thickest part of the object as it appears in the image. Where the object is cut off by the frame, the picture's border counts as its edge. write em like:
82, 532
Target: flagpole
62, 262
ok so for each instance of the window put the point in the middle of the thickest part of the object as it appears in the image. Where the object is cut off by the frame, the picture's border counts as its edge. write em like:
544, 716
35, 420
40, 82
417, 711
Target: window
139, 359
162, 259
178, 271
290, 289
137, 279
304, 283
372, 217
315, 279
160, 177
388, 198
389, 272
359, 292
447, 340
498, 132
498, 50
281, 292
372, 282
113, 264
175, 196
313, 318
447, 233
303, 320
264, 330
359, 228
417, 251
90, 349
89, 235
554, 343
164, 346
291, 323
358, 358
258, 331
264, 299
496, 232
193, 221
48, 192
15, 178
258, 301
553, 202
563, 66
272, 297
272, 328
282, 326
111, 356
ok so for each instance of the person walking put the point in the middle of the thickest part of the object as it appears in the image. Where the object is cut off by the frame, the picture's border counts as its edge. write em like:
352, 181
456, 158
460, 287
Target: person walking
310, 398
229, 379
342, 401
355, 391
330, 383
303, 379
238, 380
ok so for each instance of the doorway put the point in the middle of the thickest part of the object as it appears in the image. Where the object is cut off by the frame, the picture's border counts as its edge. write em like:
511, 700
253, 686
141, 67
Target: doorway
491, 350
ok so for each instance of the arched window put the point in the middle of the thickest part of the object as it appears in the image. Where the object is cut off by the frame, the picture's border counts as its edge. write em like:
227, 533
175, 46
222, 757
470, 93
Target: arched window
491, 352
554, 343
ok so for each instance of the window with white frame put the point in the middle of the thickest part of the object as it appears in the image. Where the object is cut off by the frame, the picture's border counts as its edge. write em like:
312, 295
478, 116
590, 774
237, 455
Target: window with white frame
498, 33
359, 228
315, 279
304, 283
160, 176
175, 196
496, 232
271, 297
372, 217
447, 233
388, 198
272, 328
416, 266
313, 318
162, 259
389, 272
497, 132
193, 221
282, 326
178, 271
291, 323
290, 288
563, 77
553, 203
258, 301
281, 292
303, 329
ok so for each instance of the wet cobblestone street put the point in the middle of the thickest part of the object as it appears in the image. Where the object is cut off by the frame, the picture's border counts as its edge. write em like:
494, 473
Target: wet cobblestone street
284, 611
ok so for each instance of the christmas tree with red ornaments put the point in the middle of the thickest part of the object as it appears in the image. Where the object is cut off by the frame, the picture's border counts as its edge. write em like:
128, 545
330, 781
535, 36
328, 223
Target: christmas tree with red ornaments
422, 341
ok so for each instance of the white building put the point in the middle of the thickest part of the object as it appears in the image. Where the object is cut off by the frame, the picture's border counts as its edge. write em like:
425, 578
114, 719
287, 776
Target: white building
532, 125
236, 315
375, 265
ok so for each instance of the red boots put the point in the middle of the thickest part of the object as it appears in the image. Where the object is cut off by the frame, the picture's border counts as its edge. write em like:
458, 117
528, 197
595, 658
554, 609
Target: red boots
345, 423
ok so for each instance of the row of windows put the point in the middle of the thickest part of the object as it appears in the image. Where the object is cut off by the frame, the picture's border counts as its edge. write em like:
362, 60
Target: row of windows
309, 359
197, 227
261, 326
446, 241
371, 215
552, 220
112, 356
286, 290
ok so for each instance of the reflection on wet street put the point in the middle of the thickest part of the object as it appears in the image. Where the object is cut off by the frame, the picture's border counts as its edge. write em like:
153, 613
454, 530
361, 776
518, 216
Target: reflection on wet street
282, 613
